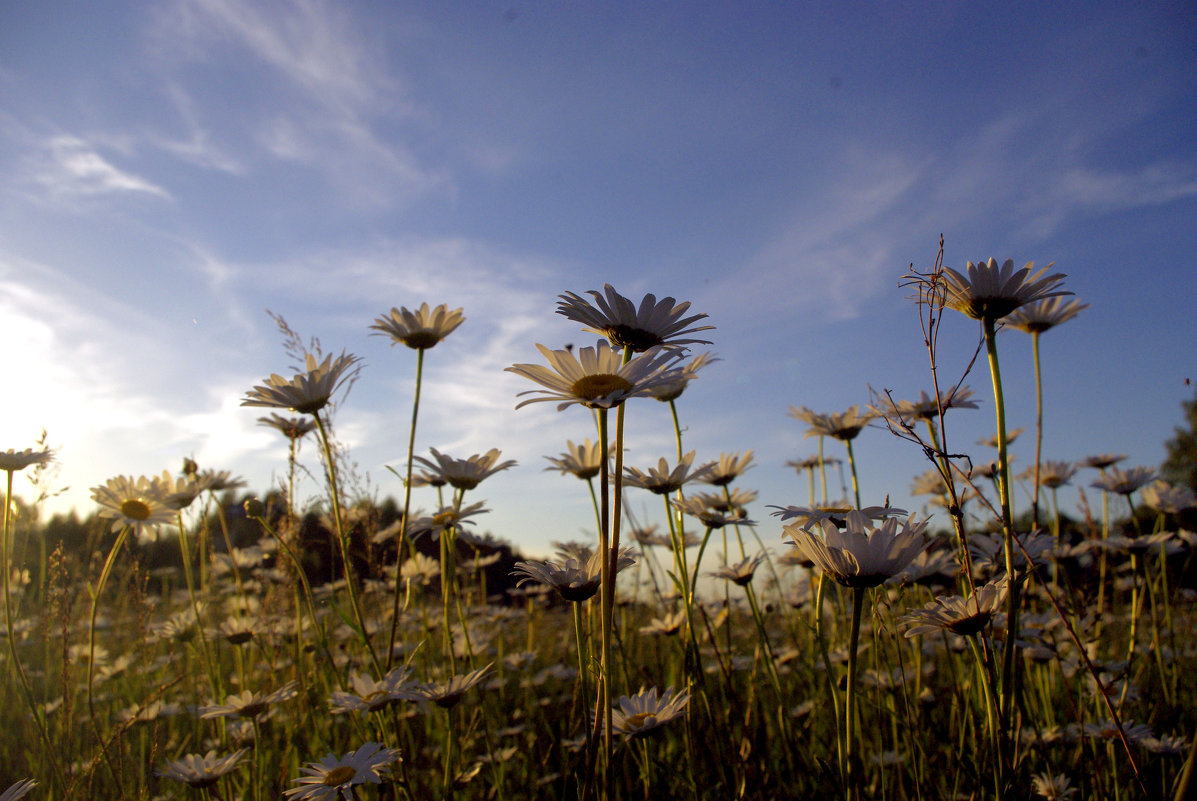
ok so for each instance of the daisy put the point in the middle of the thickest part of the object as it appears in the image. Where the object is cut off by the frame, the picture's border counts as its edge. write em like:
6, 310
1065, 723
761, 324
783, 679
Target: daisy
200, 771
1123, 482
860, 556
735, 500
927, 407
307, 392
1053, 788
132, 502
709, 515
331, 777
466, 474
835, 514
420, 568
575, 579
175, 493
596, 377
369, 695
447, 694
1055, 474
248, 704
1103, 460
421, 329
447, 518
1164, 497
13, 461
844, 426
990, 292
959, 615
584, 461
670, 624
662, 480
740, 573
672, 390
992, 442
640, 714
1042, 315
729, 467
636, 329
219, 480
293, 428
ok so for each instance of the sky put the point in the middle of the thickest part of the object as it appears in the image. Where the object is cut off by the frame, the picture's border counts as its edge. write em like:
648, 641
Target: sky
175, 170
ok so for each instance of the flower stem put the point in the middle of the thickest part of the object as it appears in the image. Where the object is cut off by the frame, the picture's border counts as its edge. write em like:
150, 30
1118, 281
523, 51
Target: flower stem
402, 541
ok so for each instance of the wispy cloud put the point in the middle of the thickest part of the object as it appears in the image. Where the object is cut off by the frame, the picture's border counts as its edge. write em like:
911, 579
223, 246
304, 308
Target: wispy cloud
334, 104
68, 166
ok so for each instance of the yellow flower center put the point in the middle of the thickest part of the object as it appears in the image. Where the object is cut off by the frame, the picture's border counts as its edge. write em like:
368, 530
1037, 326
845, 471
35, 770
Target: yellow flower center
640, 719
593, 387
444, 519
339, 775
135, 509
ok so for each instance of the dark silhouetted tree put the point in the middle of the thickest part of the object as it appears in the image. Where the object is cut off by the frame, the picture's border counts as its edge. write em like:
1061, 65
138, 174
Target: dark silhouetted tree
1180, 468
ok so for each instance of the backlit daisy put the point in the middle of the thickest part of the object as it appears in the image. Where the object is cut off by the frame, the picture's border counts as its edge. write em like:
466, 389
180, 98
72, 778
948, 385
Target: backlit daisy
369, 695
449, 693
1123, 482
664, 480
626, 326
709, 515
926, 407
132, 502
247, 704
421, 329
293, 428
465, 474
584, 461
331, 777
860, 555
640, 714
201, 771
307, 392
672, 390
1042, 315
13, 461
957, 614
741, 572
596, 377
729, 467
844, 426
990, 292
574, 579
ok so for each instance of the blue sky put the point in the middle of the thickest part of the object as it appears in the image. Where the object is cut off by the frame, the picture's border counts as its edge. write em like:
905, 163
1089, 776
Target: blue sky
174, 169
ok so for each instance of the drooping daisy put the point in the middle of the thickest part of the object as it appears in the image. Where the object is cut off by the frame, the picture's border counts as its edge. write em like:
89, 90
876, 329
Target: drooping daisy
990, 291
844, 426
1123, 482
201, 771
642, 713
330, 777
575, 579
465, 474
638, 329
1043, 315
307, 392
860, 555
1055, 474
663, 480
293, 428
959, 615
447, 518
584, 461
596, 377
14, 461
421, 329
132, 502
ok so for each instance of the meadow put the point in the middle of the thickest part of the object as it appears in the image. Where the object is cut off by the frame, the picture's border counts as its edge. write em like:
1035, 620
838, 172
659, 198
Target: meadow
204, 642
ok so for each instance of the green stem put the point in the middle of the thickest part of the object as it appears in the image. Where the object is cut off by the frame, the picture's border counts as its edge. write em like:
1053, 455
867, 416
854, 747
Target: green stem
402, 541
850, 729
